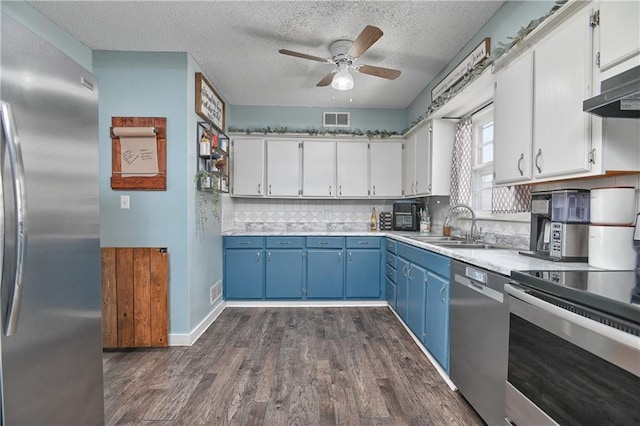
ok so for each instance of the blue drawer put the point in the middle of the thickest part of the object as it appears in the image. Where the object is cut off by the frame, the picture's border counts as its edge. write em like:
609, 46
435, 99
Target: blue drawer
324, 242
392, 260
285, 242
391, 273
363, 242
392, 246
243, 242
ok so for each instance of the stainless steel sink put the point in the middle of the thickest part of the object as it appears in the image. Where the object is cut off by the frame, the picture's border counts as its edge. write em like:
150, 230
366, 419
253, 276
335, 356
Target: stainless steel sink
436, 238
467, 245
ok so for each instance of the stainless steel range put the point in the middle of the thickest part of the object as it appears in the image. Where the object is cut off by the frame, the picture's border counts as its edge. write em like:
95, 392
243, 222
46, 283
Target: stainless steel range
574, 348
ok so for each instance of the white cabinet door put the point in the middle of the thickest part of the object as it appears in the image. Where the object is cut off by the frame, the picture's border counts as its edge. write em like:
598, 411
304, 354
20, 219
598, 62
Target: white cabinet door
410, 165
247, 167
513, 121
619, 32
352, 169
318, 169
283, 168
423, 160
442, 134
386, 168
562, 73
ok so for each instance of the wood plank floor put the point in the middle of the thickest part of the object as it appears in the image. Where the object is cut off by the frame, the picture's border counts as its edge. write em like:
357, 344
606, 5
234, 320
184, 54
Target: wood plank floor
285, 366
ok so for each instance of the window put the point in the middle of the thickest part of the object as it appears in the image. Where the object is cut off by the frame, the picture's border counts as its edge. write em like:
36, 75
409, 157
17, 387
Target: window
482, 169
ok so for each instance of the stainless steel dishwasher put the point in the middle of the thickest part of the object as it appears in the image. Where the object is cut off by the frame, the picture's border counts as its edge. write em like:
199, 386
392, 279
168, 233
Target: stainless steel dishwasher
479, 339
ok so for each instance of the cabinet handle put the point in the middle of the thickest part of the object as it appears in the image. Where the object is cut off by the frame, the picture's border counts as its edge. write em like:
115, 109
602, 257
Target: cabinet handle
520, 161
441, 290
269, 189
374, 190
329, 189
339, 257
363, 242
243, 243
350, 258
538, 155
269, 256
258, 257
323, 243
340, 189
409, 272
412, 185
259, 188
284, 243
426, 280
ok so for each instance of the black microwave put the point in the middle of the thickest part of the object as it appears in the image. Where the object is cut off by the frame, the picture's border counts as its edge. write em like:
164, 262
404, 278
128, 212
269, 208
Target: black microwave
405, 215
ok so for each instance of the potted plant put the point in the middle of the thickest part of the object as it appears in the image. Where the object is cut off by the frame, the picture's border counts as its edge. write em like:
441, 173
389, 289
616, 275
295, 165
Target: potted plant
207, 182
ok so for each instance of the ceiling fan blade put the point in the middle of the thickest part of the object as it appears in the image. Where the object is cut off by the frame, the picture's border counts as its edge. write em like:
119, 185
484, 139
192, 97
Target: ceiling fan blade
365, 40
326, 80
387, 73
304, 56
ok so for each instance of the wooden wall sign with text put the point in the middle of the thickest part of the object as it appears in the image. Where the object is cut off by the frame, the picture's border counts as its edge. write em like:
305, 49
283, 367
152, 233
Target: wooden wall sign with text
209, 105
139, 183
478, 55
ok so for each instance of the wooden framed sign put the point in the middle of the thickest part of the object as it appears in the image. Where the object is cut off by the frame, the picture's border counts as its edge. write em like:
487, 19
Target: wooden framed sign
478, 55
209, 105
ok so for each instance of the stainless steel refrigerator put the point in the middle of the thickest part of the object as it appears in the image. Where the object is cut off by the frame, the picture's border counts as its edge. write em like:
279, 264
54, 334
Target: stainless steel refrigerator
51, 347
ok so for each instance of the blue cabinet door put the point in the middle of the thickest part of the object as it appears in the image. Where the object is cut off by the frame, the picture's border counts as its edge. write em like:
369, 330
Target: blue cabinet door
416, 303
391, 293
363, 274
243, 274
402, 288
325, 274
437, 319
284, 274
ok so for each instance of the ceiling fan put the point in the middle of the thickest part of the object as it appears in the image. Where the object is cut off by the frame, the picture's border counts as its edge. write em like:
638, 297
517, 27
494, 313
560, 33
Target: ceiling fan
343, 54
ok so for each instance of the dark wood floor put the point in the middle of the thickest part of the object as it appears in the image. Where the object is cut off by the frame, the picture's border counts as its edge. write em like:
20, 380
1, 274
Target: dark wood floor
285, 366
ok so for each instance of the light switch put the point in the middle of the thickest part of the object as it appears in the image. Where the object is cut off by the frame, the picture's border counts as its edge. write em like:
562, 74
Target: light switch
124, 202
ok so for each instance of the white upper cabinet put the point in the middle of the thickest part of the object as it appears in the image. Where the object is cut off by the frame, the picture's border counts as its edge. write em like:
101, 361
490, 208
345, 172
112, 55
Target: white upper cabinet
247, 167
562, 81
423, 161
318, 169
513, 121
619, 32
409, 178
283, 168
352, 167
386, 169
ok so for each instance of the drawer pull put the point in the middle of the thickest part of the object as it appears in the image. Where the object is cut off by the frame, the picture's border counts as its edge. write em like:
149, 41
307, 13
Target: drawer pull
363, 242
284, 243
243, 243
323, 243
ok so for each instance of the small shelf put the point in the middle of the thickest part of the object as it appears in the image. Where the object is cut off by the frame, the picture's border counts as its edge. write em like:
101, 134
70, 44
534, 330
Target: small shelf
213, 155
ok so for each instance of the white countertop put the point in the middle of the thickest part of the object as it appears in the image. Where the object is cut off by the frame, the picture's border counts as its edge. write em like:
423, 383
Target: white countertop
502, 261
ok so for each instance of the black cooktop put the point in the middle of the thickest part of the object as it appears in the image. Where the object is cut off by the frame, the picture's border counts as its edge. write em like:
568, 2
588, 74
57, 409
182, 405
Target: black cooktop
613, 292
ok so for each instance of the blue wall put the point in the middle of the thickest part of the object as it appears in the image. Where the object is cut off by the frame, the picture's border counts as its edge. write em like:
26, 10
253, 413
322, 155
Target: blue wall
41, 25
304, 118
149, 85
507, 21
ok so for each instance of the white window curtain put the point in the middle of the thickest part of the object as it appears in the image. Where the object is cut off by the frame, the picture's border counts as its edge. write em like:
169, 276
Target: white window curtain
461, 166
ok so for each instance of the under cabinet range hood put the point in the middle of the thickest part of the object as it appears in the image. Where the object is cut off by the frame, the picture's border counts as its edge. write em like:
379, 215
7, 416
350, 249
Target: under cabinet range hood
619, 97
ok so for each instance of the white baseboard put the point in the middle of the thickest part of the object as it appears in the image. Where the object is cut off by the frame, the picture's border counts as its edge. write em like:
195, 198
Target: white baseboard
303, 303
433, 361
191, 338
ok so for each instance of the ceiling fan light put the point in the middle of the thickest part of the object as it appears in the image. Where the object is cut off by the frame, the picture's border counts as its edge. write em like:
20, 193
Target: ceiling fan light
343, 80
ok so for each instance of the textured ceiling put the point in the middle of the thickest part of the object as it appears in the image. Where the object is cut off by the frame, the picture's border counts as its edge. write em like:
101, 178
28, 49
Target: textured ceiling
236, 43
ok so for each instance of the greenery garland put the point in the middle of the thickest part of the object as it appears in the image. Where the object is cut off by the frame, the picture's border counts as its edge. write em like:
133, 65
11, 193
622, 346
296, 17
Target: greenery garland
316, 132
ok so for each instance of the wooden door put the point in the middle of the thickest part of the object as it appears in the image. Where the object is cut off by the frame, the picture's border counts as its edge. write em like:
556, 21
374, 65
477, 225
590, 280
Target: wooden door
134, 297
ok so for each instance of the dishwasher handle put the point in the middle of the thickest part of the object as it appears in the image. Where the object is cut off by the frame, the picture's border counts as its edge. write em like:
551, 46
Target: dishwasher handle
479, 288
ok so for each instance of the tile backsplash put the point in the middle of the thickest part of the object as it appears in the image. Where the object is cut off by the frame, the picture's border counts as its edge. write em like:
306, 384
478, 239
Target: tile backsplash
253, 214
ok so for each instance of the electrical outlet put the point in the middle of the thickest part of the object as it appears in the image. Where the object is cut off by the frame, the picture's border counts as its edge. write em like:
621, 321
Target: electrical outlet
124, 202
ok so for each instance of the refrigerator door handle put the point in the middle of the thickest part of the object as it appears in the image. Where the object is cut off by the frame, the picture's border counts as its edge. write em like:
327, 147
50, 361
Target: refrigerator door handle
20, 199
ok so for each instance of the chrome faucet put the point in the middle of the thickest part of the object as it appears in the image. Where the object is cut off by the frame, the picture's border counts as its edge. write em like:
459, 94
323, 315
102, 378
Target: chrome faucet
472, 233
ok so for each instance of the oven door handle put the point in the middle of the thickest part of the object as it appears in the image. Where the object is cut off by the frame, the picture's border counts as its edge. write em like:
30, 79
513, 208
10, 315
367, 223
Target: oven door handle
627, 344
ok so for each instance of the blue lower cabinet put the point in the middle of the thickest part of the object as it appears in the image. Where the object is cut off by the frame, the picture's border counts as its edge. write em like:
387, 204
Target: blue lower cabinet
244, 272
436, 324
284, 274
402, 288
391, 293
363, 273
416, 294
325, 274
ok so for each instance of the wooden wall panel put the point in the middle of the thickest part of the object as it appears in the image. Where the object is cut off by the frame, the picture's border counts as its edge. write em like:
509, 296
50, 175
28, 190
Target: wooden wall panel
142, 297
159, 315
109, 299
134, 302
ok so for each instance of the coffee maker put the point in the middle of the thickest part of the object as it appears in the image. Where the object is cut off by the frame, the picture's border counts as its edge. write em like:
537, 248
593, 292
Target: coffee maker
560, 225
